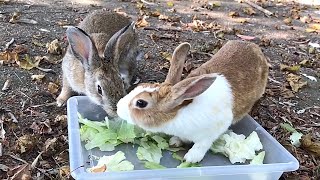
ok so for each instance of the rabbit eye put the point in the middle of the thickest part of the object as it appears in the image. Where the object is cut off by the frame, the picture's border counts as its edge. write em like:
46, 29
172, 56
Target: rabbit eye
99, 90
141, 103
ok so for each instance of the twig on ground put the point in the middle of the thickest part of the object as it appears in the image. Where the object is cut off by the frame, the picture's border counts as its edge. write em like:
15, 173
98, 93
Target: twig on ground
19, 159
203, 53
46, 105
35, 161
161, 29
45, 70
265, 11
9, 44
6, 85
17, 77
273, 80
149, 3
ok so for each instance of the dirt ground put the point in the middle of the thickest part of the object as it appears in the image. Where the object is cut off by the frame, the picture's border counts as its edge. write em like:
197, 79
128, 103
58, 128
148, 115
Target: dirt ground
36, 130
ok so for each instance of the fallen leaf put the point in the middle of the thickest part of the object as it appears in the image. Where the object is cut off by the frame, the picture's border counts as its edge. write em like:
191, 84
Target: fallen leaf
295, 138
305, 63
163, 17
188, 66
64, 172
37, 43
241, 20
305, 19
26, 143
54, 47
20, 172
249, 11
288, 21
244, 37
311, 146
41, 127
155, 14
234, 14
19, 49
50, 144
14, 17
295, 82
63, 22
170, 4
62, 120
53, 88
9, 57
166, 55
293, 69
28, 63
211, 5
313, 28
37, 77
142, 22
286, 93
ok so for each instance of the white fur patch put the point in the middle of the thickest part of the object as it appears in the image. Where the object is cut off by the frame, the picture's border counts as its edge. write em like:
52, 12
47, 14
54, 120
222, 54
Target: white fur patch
123, 110
204, 120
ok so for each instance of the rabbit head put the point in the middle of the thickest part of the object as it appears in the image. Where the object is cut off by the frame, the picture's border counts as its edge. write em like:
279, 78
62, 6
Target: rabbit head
103, 62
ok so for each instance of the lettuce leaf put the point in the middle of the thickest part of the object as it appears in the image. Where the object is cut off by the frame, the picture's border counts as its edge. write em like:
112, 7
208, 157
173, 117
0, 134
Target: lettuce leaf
153, 165
151, 153
258, 159
188, 164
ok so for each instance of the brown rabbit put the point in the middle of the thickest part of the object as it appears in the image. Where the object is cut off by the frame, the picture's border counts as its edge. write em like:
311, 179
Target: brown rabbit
203, 106
100, 60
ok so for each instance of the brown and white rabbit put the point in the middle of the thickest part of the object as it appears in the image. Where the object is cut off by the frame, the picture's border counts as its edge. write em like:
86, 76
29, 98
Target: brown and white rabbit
100, 60
203, 106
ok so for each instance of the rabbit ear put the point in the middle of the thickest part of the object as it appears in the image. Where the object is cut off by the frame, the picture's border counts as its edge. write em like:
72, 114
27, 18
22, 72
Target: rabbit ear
177, 63
82, 47
192, 87
121, 42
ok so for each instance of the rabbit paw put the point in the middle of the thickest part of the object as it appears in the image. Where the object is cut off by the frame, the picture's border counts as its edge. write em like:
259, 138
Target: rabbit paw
197, 152
175, 141
60, 101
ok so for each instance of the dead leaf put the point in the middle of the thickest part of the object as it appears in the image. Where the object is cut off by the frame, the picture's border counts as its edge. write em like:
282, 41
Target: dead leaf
211, 5
26, 143
305, 63
62, 120
20, 49
97, 169
188, 66
293, 69
41, 127
313, 28
305, 19
8, 57
295, 82
241, 20
170, 4
64, 172
155, 14
286, 93
249, 11
166, 55
20, 172
234, 14
163, 17
37, 77
28, 63
54, 47
63, 23
37, 43
142, 22
14, 17
244, 37
53, 88
311, 146
50, 144
288, 21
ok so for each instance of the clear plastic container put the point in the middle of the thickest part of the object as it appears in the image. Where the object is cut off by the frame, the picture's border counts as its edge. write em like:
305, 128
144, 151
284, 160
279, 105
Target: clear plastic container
214, 166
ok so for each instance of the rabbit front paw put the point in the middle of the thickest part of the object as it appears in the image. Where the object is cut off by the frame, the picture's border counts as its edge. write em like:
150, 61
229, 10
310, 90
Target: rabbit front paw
197, 152
60, 101
177, 141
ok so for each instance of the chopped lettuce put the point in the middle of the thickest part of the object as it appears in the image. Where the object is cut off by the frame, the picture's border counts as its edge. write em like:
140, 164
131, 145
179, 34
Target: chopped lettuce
151, 153
153, 165
114, 162
188, 164
87, 133
94, 124
126, 132
258, 159
237, 147
295, 138
100, 139
161, 142
177, 157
